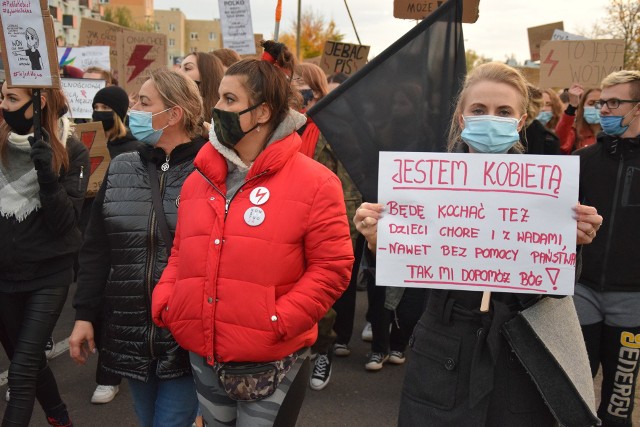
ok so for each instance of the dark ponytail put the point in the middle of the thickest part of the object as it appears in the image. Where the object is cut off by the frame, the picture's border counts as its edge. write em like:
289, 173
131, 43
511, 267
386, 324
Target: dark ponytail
269, 80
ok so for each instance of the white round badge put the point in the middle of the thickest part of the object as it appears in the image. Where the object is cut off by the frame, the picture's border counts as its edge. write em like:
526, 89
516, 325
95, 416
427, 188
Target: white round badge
254, 216
259, 196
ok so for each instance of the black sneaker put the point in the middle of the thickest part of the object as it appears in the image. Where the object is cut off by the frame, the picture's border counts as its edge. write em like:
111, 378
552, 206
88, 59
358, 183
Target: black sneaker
321, 372
376, 360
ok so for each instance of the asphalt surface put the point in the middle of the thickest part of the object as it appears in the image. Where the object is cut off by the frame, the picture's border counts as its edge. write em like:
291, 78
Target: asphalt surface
354, 397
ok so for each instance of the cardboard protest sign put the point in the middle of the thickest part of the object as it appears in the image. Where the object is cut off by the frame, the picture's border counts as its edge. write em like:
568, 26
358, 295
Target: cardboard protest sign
478, 222
94, 32
420, 9
93, 137
539, 34
582, 61
85, 57
80, 94
563, 35
139, 53
532, 74
28, 44
339, 57
237, 29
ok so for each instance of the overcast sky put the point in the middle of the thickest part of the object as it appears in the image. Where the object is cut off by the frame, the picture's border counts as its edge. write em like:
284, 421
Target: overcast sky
500, 31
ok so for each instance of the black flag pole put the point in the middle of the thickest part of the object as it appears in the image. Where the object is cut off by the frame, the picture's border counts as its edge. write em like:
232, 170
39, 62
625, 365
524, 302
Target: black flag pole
37, 115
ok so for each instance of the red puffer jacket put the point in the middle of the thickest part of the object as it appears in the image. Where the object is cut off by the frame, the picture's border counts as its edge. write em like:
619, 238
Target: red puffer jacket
250, 283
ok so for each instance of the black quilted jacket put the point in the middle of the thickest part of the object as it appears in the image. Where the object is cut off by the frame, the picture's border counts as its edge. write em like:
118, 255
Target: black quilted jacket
122, 259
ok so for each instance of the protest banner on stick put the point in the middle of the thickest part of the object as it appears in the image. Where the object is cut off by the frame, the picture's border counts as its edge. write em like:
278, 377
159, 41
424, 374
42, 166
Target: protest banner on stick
139, 53
237, 28
420, 9
94, 32
80, 94
93, 137
429, 236
85, 56
539, 34
579, 61
28, 44
339, 57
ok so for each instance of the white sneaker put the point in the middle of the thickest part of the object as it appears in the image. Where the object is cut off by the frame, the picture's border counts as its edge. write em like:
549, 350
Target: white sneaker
104, 393
367, 333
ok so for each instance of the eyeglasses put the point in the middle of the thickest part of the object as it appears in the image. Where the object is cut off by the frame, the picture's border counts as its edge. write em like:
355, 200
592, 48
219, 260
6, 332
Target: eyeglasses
613, 103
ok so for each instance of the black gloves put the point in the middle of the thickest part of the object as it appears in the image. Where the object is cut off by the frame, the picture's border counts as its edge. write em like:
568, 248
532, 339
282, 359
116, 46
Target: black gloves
41, 152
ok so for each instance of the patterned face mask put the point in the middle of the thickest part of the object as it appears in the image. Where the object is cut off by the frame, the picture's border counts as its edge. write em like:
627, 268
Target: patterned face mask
226, 125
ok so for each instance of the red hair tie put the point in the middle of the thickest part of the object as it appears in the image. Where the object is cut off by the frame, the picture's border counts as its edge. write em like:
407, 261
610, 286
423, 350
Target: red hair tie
266, 56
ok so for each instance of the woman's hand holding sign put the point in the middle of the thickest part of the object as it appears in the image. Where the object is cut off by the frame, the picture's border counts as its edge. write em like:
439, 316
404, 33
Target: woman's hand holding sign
589, 222
366, 222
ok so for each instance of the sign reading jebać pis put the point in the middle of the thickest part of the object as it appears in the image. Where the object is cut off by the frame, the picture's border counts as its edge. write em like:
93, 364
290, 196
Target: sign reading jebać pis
478, 222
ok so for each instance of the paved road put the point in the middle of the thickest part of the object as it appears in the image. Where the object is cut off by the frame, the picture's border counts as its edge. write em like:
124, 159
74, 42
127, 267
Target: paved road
354, 396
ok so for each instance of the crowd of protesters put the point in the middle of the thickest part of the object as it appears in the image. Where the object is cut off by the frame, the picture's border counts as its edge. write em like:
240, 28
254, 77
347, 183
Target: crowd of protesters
218, 263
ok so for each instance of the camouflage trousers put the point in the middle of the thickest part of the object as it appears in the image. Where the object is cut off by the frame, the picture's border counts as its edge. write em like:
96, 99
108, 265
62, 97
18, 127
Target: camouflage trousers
279, 409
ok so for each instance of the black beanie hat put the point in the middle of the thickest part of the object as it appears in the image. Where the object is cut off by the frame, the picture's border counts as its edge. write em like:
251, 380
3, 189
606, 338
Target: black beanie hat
114, 97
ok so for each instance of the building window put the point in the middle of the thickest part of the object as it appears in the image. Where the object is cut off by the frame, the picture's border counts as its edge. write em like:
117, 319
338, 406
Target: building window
194, 36
172, 42
172, 27
157, 27
103, 1
212, 36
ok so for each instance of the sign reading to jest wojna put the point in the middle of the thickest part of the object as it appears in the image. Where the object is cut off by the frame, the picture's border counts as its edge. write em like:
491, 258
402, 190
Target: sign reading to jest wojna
478, 222
564, 62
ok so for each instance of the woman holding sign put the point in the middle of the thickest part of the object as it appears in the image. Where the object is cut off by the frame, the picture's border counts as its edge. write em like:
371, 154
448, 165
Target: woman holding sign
461, 370
42, 187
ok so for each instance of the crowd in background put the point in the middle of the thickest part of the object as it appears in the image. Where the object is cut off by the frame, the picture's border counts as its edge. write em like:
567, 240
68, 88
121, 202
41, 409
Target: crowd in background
218, 264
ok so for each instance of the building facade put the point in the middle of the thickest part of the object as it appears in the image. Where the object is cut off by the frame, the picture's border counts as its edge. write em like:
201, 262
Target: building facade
67, 15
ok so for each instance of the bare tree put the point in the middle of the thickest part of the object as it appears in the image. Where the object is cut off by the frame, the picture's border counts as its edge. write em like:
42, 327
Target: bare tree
623, 22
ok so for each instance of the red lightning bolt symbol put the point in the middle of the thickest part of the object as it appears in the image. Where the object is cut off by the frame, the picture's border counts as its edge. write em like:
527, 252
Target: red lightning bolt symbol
137, 60
553, 62
260, 194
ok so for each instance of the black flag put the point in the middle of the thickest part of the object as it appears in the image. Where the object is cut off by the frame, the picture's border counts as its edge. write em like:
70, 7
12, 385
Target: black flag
401, 101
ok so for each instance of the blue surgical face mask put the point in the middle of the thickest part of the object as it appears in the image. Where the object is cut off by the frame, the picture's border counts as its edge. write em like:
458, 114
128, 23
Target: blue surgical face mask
141, 125
591, 115
490, 134
544, 117
612, 125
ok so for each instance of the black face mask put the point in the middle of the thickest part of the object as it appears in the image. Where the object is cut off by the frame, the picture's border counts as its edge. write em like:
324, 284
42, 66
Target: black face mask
307, 96
226, 125
16, 120
106, 117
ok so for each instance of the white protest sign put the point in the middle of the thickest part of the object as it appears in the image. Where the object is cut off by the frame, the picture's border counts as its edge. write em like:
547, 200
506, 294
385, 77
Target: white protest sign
27, 44
85, 57
478, 222
563, 35
80, 94
237, 29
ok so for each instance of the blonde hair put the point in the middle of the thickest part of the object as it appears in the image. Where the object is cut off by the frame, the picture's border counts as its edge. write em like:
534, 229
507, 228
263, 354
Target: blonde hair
556, 108
177, 90
536, 102
624, 76
314, 77
494, 72
119, 130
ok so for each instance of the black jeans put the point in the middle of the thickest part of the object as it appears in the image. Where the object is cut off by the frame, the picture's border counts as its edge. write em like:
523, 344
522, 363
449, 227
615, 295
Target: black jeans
29, 319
